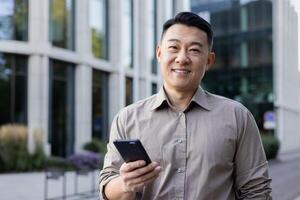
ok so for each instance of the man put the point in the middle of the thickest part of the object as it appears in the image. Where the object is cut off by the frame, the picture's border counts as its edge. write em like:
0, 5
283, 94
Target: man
203, 146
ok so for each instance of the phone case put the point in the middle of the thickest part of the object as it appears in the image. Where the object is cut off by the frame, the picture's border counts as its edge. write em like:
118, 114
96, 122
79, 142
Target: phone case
132, 150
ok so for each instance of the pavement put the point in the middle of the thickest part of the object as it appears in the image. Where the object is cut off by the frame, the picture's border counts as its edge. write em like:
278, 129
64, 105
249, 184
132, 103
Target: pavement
284, 171
285, 174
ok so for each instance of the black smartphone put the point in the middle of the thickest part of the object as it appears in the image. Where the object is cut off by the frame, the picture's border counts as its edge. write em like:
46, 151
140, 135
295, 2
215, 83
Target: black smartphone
132, 150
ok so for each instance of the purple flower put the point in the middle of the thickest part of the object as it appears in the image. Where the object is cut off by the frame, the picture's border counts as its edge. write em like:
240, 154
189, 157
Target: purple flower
85, 160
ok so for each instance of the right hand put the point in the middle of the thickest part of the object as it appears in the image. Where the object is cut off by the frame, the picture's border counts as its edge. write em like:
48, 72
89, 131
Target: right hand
135, 175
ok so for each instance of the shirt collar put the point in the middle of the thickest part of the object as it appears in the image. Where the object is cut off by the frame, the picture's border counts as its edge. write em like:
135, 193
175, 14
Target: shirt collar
200, 98
161, 97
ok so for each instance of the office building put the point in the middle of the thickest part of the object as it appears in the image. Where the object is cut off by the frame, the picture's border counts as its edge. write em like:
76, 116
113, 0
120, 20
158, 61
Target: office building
68, 66
256, 46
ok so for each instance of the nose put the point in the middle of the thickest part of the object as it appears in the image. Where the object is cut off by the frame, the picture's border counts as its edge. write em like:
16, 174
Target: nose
182, 57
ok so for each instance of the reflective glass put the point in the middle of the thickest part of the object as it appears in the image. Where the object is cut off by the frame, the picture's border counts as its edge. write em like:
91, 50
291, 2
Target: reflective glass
14, 20
13, 88
129, 90
153, 29
154, 88
100, 104
61, 108
62, 26
98, 25
244, 54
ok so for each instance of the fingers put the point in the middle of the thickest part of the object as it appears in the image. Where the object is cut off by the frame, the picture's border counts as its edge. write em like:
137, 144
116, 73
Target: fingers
127, 167
147, 177
136, 175
137, 172
139, 186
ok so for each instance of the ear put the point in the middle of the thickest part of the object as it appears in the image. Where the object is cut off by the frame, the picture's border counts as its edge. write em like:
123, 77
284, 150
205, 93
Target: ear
158, 53
210, 60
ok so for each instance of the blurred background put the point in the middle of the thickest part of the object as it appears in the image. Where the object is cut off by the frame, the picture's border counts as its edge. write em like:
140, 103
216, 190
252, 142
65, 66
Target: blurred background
68, 66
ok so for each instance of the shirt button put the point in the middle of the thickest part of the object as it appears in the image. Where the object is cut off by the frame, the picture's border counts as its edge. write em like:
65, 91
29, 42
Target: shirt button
180, 114
179, 170
179, 141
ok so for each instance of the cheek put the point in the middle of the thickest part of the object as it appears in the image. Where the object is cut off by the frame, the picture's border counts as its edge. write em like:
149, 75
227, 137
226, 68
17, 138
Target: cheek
167, 57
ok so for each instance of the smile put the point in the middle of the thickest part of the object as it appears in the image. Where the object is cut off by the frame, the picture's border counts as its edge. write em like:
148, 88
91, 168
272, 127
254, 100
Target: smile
181, 71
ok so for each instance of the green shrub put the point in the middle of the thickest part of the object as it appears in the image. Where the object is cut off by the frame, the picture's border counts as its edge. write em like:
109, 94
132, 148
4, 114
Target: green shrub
14, 155
13, 148
271, 145
96, 146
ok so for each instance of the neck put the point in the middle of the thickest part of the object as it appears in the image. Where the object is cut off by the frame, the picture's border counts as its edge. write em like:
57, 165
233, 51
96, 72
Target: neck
179, 99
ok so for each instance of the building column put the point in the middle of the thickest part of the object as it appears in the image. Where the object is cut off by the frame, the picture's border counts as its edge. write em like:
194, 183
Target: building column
38, 73
38, 100
286, 75
83, 106
116, 78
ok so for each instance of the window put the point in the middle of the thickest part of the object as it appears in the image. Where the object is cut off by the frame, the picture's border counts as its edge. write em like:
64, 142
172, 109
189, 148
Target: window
13, 88
259, 14
243, 44
62, 26
155, 38
154, 89
174, 7
98, 26
100, 105
61, 108
129, 90
260, 51
14, 20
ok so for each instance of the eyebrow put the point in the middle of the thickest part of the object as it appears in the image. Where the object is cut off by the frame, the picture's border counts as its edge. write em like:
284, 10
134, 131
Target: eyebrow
192, 43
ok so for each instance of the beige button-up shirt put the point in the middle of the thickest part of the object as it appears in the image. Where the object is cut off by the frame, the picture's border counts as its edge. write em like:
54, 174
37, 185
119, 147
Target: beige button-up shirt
211, 151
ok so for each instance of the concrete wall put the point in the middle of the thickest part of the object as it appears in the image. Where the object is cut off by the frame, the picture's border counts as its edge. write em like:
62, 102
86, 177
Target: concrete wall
286, 75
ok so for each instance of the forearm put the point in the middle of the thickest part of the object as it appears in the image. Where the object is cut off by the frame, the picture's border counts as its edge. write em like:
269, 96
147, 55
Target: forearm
113, 190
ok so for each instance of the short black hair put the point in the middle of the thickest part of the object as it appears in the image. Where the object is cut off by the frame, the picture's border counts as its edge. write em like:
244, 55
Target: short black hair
190, 19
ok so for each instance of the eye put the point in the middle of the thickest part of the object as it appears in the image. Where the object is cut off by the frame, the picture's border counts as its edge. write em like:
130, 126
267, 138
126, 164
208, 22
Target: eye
195, 50
173, 47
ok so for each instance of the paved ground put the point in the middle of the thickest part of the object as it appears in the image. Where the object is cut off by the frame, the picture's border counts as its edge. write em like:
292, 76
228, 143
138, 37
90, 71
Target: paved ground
284, 171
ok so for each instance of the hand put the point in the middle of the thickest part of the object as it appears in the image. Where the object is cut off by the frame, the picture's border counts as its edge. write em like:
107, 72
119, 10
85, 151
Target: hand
135, 175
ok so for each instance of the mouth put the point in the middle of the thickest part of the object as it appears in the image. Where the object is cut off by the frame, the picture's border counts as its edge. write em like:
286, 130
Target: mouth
181, 71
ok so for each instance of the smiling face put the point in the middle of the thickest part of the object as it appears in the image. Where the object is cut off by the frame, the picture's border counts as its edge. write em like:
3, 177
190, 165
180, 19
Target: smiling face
184, 56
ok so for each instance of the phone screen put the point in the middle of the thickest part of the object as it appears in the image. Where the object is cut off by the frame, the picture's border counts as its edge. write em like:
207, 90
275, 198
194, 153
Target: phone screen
132, 150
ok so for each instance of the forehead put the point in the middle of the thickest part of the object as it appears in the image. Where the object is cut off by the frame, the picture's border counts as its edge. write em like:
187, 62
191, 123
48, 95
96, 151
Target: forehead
185, 33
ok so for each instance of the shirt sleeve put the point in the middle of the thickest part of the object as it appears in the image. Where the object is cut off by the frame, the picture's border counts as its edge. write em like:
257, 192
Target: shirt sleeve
112, 159
251, 167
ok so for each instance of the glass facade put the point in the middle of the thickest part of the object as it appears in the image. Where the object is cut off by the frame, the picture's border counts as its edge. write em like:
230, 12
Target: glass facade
154, 88
128, 33
14, 20
100, 105
155, 39
244, 60
98, 17
61, 108
62, 26
13, 88
129, 91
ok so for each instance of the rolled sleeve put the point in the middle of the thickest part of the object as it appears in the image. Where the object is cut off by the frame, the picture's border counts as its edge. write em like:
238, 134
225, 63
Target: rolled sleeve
104, 178
112, 159
251, 167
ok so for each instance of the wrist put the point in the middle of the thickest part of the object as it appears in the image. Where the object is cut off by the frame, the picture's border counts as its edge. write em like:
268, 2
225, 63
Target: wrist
126, 191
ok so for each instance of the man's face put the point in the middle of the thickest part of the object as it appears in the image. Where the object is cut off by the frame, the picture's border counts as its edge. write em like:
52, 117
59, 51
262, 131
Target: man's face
184, 57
